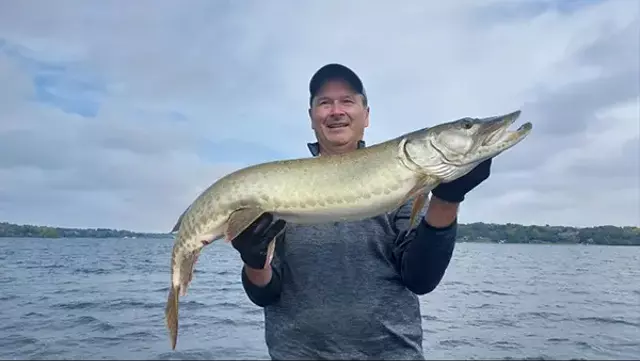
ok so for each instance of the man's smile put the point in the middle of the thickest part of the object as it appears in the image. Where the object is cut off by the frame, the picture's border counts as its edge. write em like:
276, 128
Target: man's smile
337, 125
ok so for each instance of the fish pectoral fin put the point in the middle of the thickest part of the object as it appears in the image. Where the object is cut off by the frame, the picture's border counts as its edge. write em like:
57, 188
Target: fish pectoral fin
240, 220
419, 191
418, 204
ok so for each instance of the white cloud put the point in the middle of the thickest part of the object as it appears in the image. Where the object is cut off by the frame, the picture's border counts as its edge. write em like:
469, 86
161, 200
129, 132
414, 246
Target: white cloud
183, 80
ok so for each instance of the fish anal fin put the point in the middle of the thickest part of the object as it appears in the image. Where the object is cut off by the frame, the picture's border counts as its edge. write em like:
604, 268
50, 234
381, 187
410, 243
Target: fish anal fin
271, 248
270, 251
239, 221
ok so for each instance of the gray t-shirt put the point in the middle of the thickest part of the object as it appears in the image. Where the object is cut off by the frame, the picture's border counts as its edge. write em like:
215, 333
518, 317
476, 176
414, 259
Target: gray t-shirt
346, 290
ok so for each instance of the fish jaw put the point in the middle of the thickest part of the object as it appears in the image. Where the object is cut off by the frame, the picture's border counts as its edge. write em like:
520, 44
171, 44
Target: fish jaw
450, 150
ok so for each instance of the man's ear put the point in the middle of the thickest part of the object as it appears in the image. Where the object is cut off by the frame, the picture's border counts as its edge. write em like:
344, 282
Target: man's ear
310, 119
366, 118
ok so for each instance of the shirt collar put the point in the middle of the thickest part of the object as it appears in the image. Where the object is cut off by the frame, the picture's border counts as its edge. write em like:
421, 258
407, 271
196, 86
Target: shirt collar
314, 148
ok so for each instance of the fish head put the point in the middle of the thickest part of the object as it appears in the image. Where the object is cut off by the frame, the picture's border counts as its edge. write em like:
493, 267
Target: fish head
450, 150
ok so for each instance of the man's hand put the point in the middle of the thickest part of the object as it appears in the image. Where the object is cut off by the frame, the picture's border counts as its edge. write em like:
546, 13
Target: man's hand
443, 206
253, 242
454, 192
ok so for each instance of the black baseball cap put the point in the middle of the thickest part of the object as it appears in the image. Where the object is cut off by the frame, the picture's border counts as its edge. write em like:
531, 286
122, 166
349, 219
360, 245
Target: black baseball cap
335, 71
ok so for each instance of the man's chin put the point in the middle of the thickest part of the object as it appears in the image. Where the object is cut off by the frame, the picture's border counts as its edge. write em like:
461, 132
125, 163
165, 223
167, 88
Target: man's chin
339, 138
339, 142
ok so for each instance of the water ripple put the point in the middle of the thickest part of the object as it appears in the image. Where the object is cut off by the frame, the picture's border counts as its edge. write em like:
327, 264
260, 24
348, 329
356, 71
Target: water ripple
72, 299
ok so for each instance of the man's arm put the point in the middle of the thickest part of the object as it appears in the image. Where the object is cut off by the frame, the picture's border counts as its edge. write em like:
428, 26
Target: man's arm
261, 276
263, 286
423, 254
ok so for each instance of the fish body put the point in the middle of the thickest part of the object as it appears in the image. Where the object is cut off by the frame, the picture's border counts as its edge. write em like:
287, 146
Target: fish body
353, 186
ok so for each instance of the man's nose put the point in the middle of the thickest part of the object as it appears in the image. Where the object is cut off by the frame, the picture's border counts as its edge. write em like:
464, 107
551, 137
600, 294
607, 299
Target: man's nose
336, 108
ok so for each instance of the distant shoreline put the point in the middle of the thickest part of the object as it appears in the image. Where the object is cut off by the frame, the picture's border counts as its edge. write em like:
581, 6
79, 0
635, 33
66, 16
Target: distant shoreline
33, 231
467, 233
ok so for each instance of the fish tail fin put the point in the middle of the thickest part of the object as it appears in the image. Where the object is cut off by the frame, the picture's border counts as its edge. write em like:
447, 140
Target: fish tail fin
171, 314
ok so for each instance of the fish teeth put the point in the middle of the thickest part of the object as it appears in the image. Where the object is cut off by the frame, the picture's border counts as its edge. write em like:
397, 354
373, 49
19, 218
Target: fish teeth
495, 137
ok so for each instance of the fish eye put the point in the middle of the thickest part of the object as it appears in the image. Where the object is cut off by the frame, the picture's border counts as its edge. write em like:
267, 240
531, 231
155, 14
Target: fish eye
467, 124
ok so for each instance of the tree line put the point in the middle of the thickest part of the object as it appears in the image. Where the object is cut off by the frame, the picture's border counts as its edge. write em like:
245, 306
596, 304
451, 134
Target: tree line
471, 232
516, 233
31, 231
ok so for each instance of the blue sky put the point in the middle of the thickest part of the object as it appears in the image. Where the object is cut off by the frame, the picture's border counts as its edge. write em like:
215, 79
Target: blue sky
118, 114
62, 85
527, 9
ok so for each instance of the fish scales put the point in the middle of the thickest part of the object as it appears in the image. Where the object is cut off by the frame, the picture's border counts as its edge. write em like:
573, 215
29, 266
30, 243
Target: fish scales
303, 190
352, 186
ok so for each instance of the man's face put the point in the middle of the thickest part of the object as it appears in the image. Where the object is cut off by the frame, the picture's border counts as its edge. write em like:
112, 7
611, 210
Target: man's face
338, 115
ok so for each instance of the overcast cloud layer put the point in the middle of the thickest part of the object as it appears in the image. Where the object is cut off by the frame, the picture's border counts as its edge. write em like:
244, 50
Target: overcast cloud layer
117, 114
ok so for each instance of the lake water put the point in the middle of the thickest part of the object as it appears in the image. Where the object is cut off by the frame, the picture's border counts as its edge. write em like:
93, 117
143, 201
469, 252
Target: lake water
104, 299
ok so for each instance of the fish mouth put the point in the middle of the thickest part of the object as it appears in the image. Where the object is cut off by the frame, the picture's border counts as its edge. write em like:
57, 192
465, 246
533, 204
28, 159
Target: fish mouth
495, 130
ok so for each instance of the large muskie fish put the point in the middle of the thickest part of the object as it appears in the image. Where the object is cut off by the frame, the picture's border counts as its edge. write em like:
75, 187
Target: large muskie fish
353, 186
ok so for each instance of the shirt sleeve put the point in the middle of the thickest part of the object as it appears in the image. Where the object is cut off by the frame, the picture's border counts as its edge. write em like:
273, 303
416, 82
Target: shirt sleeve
422, 254
265, 295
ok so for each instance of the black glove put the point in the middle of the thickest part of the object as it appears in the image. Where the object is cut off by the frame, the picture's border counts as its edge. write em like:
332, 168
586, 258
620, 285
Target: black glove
455, 191
252, 243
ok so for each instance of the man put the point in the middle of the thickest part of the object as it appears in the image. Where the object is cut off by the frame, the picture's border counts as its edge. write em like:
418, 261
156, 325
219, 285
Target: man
348, 290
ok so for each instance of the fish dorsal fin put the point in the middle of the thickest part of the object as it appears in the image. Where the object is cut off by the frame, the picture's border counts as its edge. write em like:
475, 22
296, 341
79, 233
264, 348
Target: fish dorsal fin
179, 221
240, 220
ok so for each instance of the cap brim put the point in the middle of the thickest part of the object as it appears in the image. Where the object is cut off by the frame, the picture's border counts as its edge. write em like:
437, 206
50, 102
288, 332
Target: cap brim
335, 71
